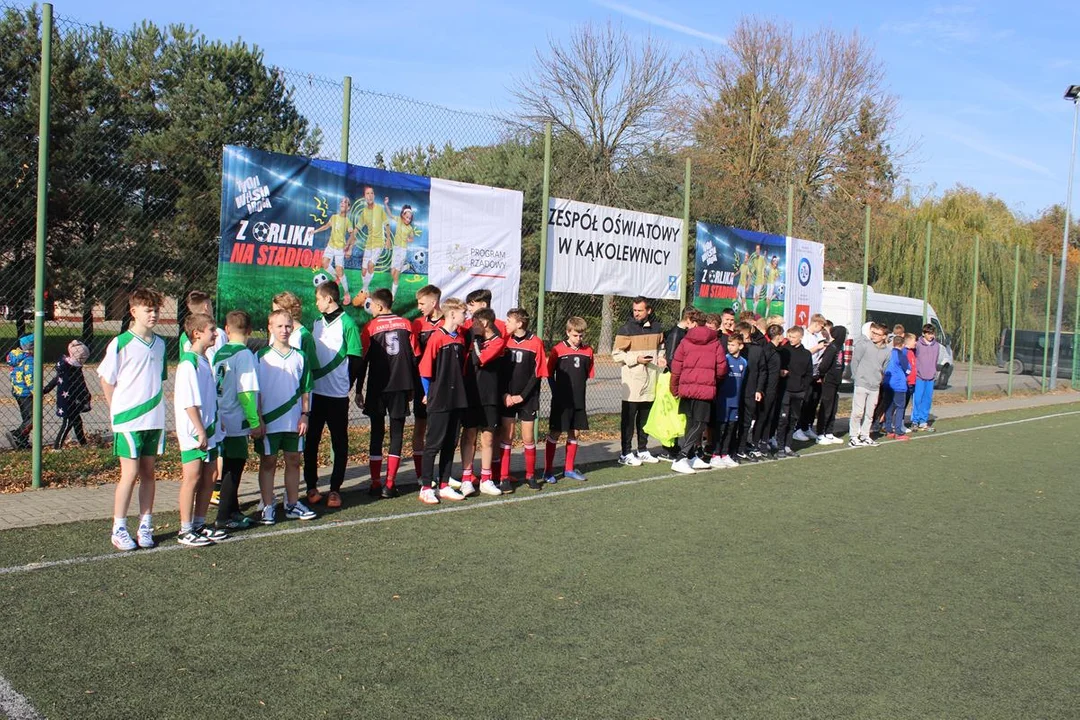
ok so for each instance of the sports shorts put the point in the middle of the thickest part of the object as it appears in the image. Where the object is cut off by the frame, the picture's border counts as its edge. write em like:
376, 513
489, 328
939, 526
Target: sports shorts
334, 257
398, 263
482, 417
525, 410
210, 455
563, 419
135, 444
394, 403
235, 447
270, 444
371, 255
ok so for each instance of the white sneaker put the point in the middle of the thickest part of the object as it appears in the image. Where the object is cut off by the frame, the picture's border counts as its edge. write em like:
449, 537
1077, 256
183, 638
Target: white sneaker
869, 442
855, 442
730, 461
299, 511
647, 457
717, 462
833, 440
268, 516
454, 483
630, 460
810, 434
428, 496
823, 440
145, 537
121, 540
800, 436
488, 487
699, 464
682, 466
467, 488
449, 493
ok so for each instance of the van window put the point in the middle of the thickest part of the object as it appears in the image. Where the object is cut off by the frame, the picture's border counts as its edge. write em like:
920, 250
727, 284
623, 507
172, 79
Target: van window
911, 323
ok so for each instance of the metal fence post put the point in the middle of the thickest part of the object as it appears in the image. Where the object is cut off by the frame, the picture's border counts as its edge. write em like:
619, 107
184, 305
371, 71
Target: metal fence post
42, 227
1076, 337
544, 202
974, 309
865, 268
1046, 335
346, 115
685, 289
926, 277
1012, 323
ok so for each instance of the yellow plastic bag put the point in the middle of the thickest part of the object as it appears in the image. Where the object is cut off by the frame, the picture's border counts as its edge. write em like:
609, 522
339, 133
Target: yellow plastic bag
665, 423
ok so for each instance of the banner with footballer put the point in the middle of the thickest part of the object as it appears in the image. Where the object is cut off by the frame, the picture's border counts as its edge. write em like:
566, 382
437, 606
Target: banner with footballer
739, 269
290, 223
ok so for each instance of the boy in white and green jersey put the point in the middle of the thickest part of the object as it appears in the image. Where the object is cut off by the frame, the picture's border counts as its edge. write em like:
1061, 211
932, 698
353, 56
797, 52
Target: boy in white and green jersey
198, 432
285, 407
133, 380
337, 353
199, 302
300, 337
238, 410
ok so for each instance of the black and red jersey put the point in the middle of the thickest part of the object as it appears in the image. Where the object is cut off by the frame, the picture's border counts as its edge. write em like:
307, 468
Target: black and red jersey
484, 368
569, 368
443, 364
422, 328
388, 356
524, 363
500, 327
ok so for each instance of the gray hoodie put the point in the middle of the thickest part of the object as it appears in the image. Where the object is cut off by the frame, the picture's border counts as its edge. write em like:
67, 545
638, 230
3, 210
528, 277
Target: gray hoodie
868, 363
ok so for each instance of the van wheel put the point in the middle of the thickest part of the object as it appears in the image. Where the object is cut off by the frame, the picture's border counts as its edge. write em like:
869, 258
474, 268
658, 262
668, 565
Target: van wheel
943, 378
1017, 367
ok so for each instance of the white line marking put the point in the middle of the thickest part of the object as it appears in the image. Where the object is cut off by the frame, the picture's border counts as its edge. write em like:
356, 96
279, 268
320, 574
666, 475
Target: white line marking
14, 706
442, 510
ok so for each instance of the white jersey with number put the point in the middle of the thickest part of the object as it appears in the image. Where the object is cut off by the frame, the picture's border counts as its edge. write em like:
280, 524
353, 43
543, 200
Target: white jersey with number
219, 342
284, 379
234, 371
136, 370
195, 387
334, 343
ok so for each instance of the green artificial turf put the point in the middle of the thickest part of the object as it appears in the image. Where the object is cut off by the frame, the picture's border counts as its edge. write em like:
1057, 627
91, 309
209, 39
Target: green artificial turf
935, 578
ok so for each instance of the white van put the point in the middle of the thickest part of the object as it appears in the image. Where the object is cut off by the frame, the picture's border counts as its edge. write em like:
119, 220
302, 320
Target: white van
841, 302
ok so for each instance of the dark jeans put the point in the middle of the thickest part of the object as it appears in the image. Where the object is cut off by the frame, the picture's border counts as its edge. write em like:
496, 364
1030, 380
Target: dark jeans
333, 413
830, 399
229, 501
810, 406
634, 417
765, 425
790, 410
441, 439
894, 414
26, 413
68, 424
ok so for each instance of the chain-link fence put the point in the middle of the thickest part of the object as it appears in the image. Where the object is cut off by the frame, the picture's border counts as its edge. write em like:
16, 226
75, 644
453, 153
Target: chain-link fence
137, 124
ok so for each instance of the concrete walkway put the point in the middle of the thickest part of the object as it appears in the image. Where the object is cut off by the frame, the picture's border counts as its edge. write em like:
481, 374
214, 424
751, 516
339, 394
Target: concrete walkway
61, 505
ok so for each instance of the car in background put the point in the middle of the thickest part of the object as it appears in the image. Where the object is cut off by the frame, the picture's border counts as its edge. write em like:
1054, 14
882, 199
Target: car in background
1031, 347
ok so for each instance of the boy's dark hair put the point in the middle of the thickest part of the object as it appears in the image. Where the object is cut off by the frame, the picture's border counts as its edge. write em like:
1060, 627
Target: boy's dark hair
329, 289
881, 327
727, 311
695, 316
429, 291
744, 327
146, 296
686, 313
898, 341
197, 322
929, 328
735, 337
483, 295
746, 315
774, 331
485, 317
238, 320
521, 315
642, 299
713, 319
384, 297
196, 298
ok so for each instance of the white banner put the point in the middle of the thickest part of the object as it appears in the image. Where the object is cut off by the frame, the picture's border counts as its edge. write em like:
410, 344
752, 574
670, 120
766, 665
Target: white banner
608, 251
806, 276
478, 232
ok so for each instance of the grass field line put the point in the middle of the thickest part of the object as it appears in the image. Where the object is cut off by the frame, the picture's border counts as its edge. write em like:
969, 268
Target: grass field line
445, 509
13, 705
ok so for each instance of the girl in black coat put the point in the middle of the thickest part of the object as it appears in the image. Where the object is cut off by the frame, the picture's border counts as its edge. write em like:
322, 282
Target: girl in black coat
72, 395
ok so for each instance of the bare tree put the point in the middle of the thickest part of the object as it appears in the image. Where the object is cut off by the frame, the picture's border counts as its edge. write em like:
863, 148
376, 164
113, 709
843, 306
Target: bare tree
609, 95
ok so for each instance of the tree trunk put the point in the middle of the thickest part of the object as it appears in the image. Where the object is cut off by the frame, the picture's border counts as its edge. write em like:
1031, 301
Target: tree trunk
88, 322
607, 321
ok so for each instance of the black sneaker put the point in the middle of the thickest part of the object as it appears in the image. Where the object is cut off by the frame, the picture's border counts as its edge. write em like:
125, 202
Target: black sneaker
506, 487
531, 482
388, 492
743, 457
788, 452
212, 534
375, 490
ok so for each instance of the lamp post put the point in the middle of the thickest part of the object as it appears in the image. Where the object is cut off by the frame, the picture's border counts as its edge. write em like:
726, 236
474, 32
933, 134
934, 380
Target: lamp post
1073, 95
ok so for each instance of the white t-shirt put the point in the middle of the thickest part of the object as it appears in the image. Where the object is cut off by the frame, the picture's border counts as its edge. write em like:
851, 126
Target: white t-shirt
810, 341
234, 372
195, 387
285, 378
219, 342
137, 371
334, 342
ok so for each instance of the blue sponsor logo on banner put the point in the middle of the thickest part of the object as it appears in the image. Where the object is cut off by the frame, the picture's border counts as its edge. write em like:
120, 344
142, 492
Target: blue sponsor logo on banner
673, 283
804, 272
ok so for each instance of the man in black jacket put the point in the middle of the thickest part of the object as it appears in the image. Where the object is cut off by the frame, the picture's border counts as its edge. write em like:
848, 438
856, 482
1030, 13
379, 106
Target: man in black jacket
798, 376
754, 382
765, 423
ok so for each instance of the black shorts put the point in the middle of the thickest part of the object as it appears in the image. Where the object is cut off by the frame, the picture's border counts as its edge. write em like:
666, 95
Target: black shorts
696, 410
394, 403
525, 410
563, 419
419, 408
481, 417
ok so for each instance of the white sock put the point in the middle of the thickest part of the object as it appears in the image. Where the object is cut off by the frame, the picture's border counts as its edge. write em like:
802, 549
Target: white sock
185, 528
393, 291
146, 520
198, 521
367, 282
118, 523
345, 284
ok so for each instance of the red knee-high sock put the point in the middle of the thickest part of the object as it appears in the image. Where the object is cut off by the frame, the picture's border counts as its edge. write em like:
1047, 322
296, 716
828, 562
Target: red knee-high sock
549, 455
571, 454
504, 472
393, 462
530, 460
418, 462
375, 465
485, 476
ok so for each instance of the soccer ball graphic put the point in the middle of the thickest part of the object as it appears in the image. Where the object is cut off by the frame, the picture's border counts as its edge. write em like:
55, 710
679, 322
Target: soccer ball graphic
361, 299
319, 278
418, 260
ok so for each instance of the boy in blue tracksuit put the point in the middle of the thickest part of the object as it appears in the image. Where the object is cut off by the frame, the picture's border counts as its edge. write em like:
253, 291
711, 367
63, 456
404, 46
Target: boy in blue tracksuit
896, 373
728, 402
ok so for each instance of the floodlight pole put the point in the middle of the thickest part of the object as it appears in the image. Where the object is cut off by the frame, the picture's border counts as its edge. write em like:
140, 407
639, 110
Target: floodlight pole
1065, 247
44, 106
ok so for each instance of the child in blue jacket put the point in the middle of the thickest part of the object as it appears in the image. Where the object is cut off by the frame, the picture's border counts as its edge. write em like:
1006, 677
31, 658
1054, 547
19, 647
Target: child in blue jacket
896, 373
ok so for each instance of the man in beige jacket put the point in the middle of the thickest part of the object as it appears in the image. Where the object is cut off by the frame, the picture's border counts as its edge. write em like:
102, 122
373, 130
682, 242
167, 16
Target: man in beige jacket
638, 349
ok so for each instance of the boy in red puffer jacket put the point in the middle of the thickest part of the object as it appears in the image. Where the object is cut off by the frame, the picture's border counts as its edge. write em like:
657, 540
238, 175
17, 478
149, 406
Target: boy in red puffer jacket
699, 362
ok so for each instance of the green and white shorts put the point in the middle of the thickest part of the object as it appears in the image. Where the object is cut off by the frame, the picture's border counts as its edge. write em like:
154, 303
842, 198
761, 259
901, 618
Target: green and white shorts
270, 444
135, 444
210, 455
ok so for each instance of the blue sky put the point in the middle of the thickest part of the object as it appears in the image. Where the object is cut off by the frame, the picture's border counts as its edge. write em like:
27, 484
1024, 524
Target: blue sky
980, 83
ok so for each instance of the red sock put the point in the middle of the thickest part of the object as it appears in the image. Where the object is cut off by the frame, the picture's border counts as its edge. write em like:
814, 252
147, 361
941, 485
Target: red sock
549, 456
485, 475
392, 464
443, 484
571, 454
504, 472
467, 474
375, 464
418, 462
530, 461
